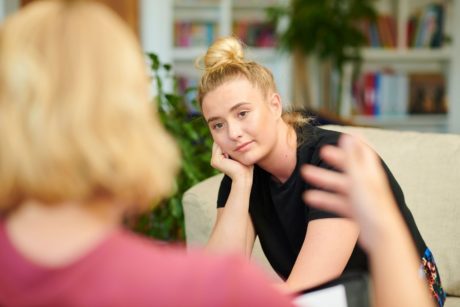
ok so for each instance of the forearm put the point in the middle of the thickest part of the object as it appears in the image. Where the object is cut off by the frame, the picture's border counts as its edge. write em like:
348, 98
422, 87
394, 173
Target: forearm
326, 250
395, 267
230, 232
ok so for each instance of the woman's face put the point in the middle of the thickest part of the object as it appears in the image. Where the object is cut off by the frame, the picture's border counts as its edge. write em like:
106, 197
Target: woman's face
243, 123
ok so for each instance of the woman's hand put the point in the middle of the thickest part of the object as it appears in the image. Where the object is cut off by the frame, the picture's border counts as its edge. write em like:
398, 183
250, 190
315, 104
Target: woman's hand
360, 191
232, 168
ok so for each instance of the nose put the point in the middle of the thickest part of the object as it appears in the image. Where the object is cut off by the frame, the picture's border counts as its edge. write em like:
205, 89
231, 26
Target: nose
234, 130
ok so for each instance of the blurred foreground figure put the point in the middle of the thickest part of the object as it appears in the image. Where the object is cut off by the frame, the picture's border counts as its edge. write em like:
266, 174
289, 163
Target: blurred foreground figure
81, 147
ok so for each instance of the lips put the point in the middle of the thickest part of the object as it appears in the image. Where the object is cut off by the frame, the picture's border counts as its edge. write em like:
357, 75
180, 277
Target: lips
243, 146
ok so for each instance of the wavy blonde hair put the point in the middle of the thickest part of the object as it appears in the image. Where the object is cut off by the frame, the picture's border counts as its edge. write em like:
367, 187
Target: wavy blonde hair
225, 61
76, 119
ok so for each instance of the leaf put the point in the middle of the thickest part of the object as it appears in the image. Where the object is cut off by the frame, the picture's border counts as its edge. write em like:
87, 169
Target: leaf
325, 28
155, 61
166, 221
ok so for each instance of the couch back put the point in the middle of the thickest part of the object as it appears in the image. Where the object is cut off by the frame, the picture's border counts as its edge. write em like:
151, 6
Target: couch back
426, 165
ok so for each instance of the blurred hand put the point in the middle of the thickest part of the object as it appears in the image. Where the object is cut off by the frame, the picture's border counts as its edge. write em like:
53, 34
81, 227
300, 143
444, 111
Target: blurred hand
359, 191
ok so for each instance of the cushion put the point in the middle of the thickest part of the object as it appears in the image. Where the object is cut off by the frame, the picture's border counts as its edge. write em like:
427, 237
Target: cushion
427, 166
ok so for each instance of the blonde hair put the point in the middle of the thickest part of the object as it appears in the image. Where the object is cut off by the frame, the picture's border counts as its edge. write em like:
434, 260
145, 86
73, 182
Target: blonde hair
225, 61
76, 119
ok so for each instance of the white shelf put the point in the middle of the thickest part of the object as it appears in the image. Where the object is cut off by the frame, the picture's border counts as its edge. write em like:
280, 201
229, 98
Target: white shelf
406, 61
188, 53
404, 55
262, 54
420, 122
256, 4
257, 54
224, 13
196, 4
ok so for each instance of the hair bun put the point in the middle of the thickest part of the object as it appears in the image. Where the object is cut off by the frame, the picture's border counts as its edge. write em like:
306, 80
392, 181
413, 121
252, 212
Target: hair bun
226, 50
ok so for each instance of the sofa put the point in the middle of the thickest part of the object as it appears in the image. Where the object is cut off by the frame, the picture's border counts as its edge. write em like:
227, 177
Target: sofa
427, 166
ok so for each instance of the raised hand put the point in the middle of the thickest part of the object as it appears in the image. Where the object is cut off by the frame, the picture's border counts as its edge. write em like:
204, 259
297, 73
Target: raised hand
359, 190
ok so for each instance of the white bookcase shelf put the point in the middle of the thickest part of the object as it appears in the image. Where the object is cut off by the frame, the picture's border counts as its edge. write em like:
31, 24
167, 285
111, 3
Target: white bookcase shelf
400, 58
403, 59
431, 122
217, 18
403, 55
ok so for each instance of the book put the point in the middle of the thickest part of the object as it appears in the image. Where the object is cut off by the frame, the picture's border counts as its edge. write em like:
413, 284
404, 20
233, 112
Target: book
427, 93
386, 30
369, 93
194, 33
255, 33
425, 27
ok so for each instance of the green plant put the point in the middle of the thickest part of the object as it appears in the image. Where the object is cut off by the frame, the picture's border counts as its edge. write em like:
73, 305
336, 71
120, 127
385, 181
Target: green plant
326, 28
166, 221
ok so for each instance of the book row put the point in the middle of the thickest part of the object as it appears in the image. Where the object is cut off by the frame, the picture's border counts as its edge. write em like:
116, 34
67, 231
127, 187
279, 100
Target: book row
424, 29
200, 33
194, 33
392, 93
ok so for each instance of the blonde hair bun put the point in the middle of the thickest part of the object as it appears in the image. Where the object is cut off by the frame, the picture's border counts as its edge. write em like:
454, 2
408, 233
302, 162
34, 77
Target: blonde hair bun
226, 50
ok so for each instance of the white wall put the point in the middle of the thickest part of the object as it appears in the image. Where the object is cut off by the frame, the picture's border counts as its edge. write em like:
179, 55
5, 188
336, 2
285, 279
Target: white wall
2, 10
156, 33
155, 30
7, 7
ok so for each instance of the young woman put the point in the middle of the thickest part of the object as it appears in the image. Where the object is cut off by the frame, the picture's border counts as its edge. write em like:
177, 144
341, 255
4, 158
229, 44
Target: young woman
80, 147
260, 150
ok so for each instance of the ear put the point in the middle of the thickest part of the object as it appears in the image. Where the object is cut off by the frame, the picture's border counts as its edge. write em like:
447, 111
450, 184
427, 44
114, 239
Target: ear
275, 104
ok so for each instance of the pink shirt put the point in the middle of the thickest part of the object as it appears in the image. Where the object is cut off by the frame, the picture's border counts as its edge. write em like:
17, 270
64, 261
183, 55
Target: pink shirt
128, 270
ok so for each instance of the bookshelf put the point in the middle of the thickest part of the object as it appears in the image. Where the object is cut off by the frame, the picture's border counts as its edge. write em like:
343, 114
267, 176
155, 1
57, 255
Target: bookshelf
195, 24
157, 34
409, 51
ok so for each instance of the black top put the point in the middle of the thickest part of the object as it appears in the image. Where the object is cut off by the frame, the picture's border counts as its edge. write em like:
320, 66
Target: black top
280, 216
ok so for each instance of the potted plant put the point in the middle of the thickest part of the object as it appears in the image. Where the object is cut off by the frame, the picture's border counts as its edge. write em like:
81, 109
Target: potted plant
166, 221
327, 29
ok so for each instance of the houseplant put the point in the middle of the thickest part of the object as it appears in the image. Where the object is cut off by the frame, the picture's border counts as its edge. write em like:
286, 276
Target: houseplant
166, 221
327, 29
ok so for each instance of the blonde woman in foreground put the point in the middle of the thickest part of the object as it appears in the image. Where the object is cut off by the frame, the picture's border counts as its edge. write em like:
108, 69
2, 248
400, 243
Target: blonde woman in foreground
81, 147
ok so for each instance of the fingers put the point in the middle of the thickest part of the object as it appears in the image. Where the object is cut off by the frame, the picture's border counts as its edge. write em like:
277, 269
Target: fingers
217, 155
216, 151
356, 151
333, 156
350, 152
328, 201
325, 179
349, 157
335, 198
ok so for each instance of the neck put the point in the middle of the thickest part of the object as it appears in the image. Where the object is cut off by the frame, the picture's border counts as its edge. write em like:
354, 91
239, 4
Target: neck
283, 158
55, 235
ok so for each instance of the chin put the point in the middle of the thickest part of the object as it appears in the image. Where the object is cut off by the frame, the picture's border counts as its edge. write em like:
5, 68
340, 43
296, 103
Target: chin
248, 160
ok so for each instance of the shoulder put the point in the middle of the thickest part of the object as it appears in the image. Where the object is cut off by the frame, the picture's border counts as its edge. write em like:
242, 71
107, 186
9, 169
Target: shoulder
312, 138
141, 270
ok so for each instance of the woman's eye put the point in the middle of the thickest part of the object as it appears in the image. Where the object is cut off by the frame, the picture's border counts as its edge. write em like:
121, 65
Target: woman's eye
217, 126
242, 114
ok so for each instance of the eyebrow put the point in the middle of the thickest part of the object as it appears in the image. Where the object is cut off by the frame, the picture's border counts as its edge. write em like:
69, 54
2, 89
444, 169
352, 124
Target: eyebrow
236, 106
